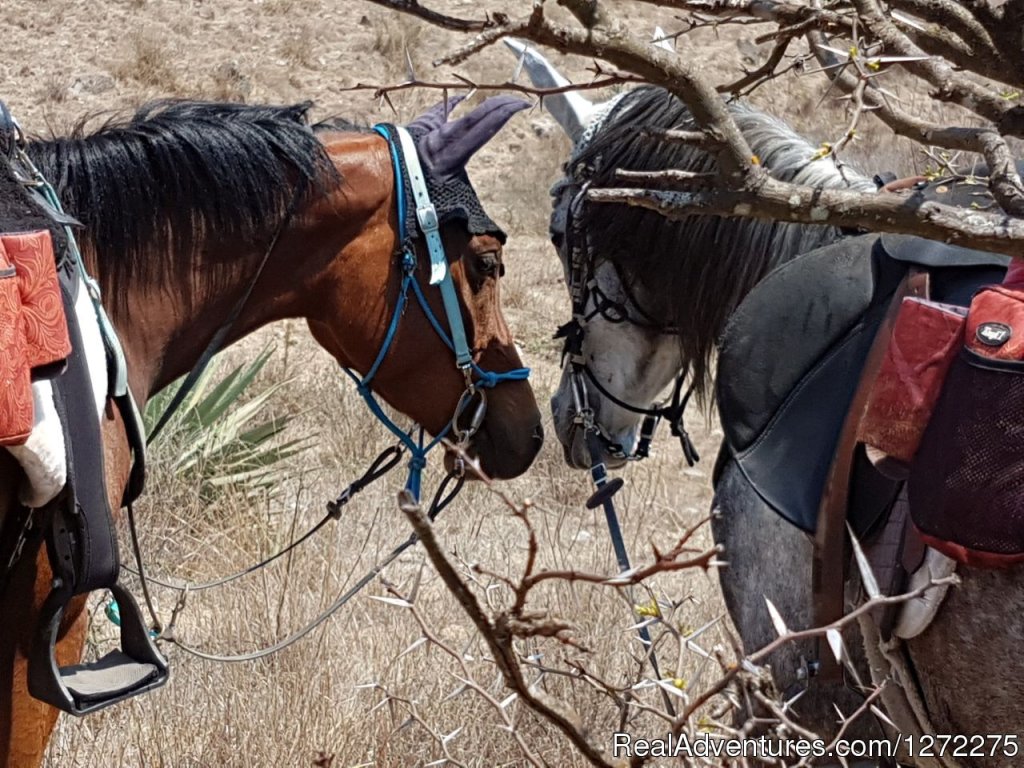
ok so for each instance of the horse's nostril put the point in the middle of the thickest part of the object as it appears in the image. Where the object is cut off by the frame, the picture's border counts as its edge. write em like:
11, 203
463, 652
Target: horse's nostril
538, 433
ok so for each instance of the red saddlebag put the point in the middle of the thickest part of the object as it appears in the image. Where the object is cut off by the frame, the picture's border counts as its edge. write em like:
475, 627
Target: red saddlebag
33, 330
45, 327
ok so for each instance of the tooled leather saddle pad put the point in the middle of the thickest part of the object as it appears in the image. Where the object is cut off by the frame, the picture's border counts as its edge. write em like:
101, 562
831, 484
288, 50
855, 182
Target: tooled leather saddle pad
791, 356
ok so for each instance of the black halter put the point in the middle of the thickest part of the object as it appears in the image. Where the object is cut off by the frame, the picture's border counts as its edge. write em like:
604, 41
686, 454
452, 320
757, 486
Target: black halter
583, 287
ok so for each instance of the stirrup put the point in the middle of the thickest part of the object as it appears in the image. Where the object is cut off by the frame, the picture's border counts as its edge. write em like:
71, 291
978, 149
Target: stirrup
78, 689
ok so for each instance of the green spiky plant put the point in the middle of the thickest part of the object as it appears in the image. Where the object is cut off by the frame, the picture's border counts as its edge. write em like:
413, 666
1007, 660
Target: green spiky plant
218, 438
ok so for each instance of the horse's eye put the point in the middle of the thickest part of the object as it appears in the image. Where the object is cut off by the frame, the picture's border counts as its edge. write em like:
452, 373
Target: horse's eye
490, 264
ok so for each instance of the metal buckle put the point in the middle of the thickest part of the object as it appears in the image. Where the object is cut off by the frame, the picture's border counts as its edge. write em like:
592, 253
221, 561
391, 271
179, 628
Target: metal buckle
427, 218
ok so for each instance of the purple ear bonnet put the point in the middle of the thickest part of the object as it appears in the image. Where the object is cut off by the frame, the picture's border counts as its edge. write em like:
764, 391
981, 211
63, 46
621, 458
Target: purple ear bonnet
434, 117
445, 148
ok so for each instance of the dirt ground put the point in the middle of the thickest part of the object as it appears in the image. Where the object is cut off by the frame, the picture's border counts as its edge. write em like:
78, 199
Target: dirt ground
66, 59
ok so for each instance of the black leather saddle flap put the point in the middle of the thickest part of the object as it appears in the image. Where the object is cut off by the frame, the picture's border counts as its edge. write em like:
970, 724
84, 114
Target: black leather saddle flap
793, 319
789, 462
790, 361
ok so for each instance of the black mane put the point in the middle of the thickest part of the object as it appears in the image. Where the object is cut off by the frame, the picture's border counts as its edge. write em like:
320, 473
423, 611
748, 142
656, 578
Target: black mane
179, 178
700, 267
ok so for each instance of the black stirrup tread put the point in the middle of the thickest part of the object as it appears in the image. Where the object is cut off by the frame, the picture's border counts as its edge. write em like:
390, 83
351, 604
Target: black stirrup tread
115, 674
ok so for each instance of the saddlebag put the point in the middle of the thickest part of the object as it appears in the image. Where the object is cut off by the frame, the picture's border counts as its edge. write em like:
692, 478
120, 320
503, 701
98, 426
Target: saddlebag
34, 340
47, 343
16, 410
966, 485
925, 339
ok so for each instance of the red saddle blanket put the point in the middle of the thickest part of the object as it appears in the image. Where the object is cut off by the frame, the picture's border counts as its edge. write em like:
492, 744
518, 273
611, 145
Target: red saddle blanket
33, 329
966, 485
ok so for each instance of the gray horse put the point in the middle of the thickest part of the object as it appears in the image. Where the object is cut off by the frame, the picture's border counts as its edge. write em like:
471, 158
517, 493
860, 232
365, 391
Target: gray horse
660, 295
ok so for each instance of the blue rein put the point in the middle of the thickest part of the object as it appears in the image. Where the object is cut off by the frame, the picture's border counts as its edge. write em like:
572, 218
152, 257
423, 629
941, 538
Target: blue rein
426, 216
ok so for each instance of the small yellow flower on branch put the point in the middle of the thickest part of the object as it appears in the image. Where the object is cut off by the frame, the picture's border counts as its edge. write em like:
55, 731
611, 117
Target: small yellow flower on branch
823, 151
649, 609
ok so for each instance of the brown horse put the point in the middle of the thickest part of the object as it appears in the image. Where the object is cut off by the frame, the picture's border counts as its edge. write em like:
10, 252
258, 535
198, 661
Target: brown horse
180, 204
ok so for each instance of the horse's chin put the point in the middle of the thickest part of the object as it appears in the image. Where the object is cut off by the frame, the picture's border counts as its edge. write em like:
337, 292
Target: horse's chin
575, 451
573, 438
577, 455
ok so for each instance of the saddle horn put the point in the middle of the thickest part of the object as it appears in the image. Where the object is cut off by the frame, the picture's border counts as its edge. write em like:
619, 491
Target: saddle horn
447, 148
572, 111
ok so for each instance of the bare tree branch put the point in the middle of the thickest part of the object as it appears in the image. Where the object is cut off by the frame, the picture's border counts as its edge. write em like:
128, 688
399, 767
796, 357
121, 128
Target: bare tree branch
950, 85
946, 17
413, 8
774, 200
499, 636
753, 193
461, 83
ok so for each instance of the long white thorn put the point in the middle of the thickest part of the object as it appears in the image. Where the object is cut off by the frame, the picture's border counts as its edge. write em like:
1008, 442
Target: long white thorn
572, 111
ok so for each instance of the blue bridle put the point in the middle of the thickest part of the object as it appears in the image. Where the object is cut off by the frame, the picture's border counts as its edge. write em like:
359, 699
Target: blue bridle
440, 275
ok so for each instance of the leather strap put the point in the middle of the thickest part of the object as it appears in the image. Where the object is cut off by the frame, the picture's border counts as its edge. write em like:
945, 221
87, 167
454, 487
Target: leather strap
901, 185
426, 217
828, 573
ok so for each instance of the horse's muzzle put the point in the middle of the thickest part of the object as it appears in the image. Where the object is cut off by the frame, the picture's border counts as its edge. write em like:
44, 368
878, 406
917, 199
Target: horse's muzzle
573, 439
511, 435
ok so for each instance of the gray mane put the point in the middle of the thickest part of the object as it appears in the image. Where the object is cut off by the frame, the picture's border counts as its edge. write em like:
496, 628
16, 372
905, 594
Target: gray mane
695, 270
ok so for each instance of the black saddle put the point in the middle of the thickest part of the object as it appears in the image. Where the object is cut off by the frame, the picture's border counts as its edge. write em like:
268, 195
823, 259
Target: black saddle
791, 357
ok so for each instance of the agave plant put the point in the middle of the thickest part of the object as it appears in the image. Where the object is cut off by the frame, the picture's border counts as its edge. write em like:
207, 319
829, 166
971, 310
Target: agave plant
219, 438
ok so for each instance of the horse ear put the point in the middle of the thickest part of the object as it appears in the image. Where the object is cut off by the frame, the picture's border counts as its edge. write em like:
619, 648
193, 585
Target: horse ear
436, 116
447, 149
572, 111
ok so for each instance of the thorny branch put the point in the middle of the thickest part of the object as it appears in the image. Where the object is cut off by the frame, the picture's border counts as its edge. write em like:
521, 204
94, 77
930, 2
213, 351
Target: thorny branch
461, 83
499, 635
739, 678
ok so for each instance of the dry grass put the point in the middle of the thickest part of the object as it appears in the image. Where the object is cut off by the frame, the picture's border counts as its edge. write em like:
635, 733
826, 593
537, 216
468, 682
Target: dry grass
396, 38
282, 7
304, 705
230, 83
54, 90
151, 63
298, 47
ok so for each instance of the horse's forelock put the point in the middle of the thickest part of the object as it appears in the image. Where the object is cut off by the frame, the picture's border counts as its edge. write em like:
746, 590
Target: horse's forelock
699, 268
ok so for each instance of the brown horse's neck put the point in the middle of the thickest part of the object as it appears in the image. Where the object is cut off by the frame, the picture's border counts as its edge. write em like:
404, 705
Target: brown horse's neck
165, 328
